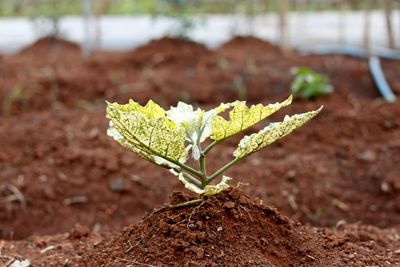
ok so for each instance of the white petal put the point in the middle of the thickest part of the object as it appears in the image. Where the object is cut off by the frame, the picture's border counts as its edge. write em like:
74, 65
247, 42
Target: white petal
181, 113
195, 152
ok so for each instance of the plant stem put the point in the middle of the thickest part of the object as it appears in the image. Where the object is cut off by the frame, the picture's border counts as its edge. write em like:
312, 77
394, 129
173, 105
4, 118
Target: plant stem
187, 168
224, 168
187, 203
210, 146
202, 164
193, 180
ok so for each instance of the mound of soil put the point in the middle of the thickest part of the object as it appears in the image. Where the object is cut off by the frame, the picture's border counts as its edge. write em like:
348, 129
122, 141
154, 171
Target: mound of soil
51, 46
169, 51
248, 47
230, 230
227, 229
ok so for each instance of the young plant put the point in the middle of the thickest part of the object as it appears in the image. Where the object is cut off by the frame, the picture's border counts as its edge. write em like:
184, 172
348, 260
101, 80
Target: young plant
308, 84
166, 138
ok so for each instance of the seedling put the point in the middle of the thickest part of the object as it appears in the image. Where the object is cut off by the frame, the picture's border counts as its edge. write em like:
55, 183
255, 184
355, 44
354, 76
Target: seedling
308, 84
167, 138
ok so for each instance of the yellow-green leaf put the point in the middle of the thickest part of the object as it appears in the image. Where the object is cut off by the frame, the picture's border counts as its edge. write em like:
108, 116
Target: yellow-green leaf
242, 117
151, 110
272, 133
147, 132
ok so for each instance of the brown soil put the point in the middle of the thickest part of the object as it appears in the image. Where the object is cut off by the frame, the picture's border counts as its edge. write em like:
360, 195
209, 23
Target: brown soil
226, 230
232, 230
48, 47
58, 168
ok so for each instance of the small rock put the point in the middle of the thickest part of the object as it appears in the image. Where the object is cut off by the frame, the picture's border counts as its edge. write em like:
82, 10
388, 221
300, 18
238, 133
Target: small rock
389, 124
192, 226
93, 133
339, 204
18, 263
385, 187
135, 178
219, 229
117, 185
367, 156
351, 256
291, 175
75, 200
340, 224
229, 205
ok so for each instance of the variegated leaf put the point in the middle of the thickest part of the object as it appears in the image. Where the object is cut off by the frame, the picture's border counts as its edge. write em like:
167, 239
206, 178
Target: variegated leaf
242, 117
147, 132
272, 133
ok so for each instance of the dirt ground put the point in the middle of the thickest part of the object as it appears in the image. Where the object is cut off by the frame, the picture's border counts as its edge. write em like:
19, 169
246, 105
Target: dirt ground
70, 196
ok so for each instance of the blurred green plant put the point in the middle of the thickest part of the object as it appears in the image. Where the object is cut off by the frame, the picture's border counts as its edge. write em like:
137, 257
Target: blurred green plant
182, 12
46, 14
129, 7
18, 96
15, 94
308, 84
239, 86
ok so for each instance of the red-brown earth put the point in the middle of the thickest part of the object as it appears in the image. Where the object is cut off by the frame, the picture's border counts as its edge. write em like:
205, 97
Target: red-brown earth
66, 189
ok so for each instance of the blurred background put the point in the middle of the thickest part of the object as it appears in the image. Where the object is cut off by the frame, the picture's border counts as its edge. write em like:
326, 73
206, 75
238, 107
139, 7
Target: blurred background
373, 25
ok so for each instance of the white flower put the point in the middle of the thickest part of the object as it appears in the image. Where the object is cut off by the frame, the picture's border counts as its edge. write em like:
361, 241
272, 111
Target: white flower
198, 124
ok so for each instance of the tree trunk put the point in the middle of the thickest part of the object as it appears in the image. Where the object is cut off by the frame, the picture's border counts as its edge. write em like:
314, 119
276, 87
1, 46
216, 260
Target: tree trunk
367, 25
283, 24
301, 18
88, 19
387, 4
342, 22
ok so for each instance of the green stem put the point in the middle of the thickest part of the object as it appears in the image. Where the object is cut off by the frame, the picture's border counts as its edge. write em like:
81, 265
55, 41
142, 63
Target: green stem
202, 163
187, 203
187, 168
193, 180
210, 146
224, 168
